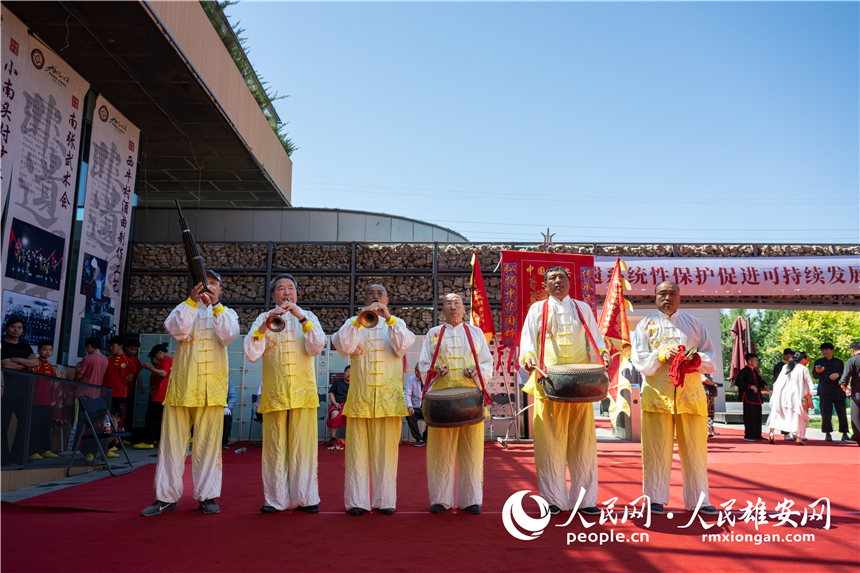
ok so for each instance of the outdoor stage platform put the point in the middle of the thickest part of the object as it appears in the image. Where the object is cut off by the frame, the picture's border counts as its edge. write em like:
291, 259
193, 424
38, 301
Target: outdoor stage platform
96, 526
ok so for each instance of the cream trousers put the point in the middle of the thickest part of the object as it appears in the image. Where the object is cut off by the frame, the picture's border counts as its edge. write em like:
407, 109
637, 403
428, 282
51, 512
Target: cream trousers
371, 450
176, 423
290, 458
658, 436
457, 451
564, 434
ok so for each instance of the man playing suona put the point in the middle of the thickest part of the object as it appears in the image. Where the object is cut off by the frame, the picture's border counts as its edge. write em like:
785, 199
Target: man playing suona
289, 399
375, 405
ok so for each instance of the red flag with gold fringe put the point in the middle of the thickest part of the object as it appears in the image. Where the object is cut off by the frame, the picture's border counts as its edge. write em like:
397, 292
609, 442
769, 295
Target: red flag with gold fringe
482, 316
616, 333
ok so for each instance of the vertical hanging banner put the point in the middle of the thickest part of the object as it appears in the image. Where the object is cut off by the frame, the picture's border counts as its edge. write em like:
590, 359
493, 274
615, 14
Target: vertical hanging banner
40, 128
523, 275
105, 233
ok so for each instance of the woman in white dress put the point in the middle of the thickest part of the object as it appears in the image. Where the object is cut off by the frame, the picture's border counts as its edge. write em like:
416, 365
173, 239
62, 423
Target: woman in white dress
792, 396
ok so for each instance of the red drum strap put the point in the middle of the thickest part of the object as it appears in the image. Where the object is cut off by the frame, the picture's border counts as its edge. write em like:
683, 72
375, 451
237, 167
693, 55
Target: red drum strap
543, 330
488, 401
431, 374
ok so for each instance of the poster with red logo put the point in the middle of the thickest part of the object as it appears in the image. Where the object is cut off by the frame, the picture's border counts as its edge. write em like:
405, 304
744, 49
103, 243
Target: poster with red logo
41, 121
105, 233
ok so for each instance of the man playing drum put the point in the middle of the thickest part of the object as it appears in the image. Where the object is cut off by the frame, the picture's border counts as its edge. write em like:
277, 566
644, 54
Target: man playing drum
671, 408
563, 431
375, 404
448, 355
288, 399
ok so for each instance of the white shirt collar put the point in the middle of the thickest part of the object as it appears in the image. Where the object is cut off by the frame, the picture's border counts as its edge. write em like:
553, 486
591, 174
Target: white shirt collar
562, 301
666, 316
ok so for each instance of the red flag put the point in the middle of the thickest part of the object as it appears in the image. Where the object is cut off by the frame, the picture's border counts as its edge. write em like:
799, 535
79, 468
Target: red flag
616, 333
482, 316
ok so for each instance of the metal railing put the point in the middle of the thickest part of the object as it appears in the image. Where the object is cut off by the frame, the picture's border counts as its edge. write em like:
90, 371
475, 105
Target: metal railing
39, 414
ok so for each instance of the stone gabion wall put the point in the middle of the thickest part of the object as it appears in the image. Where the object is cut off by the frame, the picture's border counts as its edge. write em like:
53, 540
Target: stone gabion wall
323, 287
312, 257
333, 286
403, 256
400, 288
158, 287
215, 255
144, 320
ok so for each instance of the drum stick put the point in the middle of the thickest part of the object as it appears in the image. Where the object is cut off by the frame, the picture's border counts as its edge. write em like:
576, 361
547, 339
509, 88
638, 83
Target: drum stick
541, 372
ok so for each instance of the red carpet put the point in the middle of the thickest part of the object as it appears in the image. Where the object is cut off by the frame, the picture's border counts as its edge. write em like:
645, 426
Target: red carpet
35, 534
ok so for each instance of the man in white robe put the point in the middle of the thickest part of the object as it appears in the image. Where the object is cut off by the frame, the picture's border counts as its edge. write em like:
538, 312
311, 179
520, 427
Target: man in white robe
374, 406
564, 432
458, 450
669, 411
289, 399
196, 396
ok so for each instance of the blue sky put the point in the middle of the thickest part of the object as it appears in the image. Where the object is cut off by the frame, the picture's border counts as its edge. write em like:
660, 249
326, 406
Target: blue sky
624, 122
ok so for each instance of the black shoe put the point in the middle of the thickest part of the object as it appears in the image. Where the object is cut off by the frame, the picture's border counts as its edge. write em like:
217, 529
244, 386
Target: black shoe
589, 510
474, 509
845, 438
750, 439
387, 511
331, 442
437, 508
657, 509
159, 507
268, 509
355, 511
309, 508
419, 444
827, 437
708, 510
209, 507
554, 510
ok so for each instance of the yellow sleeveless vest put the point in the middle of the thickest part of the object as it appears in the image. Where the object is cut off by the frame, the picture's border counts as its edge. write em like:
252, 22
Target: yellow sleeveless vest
659, 393
289, 378
456, 355
563, 346
376, 377
200, 370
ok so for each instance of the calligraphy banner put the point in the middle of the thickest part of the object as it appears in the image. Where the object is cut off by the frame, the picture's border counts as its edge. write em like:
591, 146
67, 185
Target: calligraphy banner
105, 233
42, 103
523, 285
750, 276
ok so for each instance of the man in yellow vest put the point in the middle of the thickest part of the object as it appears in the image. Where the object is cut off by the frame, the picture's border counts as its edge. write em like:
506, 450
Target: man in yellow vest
455, 450
670, 410
196, 396
289, 399
375, 405
564, 432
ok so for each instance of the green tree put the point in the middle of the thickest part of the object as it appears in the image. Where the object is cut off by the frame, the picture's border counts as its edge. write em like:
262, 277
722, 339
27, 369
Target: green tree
807, 329
765, 333
769, 345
